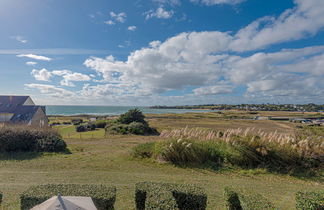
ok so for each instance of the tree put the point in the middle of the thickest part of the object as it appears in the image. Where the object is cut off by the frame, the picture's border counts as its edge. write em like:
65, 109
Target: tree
133, 115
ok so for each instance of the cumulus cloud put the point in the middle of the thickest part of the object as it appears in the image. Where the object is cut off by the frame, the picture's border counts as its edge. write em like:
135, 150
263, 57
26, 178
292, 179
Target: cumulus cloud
168, 2
159, 13
68, 76
35, 57
116, 18
131, 28
215, 2
41, 75
213, 90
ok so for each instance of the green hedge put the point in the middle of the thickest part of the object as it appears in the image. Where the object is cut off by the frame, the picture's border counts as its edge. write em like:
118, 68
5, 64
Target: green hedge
237, 200
187, 197
310, 200
163, 200
104, 197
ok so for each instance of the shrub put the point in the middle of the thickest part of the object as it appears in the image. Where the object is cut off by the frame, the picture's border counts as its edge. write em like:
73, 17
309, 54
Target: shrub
76, 121
237, 200
27, 139
117, 129
133, 115
101, 124
104, 197
310, 200
80, 128
144, 150
160, 200
90, 127
187, 197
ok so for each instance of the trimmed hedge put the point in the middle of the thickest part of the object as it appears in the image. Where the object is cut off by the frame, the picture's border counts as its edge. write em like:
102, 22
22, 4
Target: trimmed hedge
310, 200
104, 197
187, 197
238, 200
162, 200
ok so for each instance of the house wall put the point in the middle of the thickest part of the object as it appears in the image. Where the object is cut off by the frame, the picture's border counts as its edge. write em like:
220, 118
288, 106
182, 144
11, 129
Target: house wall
39, 119
29, 102
5, 117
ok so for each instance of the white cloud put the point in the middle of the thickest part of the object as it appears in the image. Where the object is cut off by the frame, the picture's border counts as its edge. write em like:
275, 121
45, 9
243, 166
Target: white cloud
213, 90
131, 28
35, 57
51, 90
215, 2
20, 39
110, 22
116, 18
31, 63
68, 76
42, 75
168, 2
159, 13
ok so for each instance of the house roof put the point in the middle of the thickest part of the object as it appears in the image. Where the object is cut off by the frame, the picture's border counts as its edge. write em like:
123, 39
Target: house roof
15, 105
8, 104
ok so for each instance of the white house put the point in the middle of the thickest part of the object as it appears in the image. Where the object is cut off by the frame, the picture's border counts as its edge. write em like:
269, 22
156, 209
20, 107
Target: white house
22, 110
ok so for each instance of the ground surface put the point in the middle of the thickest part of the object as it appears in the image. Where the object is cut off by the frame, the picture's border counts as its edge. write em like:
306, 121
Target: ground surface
96, 159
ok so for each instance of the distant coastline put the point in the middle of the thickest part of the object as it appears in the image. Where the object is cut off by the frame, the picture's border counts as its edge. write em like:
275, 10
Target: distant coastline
62, 110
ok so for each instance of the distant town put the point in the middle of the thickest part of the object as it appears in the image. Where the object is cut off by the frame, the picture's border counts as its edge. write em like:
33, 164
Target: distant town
252, 107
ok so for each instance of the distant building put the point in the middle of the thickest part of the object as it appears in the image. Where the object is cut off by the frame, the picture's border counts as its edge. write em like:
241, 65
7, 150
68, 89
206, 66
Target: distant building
22, 110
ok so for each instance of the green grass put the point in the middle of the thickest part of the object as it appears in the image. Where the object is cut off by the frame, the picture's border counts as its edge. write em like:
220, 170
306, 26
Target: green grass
107, 161
68, 131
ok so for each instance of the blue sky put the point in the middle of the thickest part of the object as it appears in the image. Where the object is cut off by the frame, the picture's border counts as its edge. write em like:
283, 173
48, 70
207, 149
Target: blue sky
155, 52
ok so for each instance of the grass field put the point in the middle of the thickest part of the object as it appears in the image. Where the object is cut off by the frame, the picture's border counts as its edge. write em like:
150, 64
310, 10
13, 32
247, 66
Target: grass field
106, 160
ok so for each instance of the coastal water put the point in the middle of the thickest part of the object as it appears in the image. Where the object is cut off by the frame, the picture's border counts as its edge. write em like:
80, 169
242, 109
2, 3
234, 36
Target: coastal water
109, 110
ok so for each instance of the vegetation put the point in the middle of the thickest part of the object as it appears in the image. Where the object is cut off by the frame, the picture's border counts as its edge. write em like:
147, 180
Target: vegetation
310, 200
243, 200
251, 107
26, 139
84, 128
248, 148
96, 159
131, 122
104, 197
149, 195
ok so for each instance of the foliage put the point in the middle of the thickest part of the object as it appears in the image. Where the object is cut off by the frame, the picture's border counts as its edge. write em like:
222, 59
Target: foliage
104, 197
144, 150
238, 199
27, 139
132, 122
188, 197
162, 199
84, 128
310, 200
133, 115
101, 123
76, 121
293, 154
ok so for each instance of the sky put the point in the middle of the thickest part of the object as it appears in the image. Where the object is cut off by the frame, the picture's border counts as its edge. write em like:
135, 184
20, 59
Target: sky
162, 52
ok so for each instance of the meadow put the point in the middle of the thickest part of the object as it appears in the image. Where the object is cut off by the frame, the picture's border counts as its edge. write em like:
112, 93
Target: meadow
99, 159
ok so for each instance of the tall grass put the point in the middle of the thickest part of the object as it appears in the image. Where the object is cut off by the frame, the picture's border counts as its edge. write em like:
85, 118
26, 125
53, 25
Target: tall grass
251, 148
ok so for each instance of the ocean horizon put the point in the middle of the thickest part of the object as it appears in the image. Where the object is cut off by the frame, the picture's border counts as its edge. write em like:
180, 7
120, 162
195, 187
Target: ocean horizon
67, 110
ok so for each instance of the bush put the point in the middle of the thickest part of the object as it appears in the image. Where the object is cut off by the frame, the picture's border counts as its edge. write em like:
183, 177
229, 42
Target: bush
27, 139
160, 200
76, 121
80, 128
101, 124
133, 115
237, 200
310, 200
187, 197
104, 197
117, 129
132, 128
144, 150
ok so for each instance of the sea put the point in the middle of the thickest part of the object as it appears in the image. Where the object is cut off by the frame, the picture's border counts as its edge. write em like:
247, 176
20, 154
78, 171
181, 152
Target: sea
110, 110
